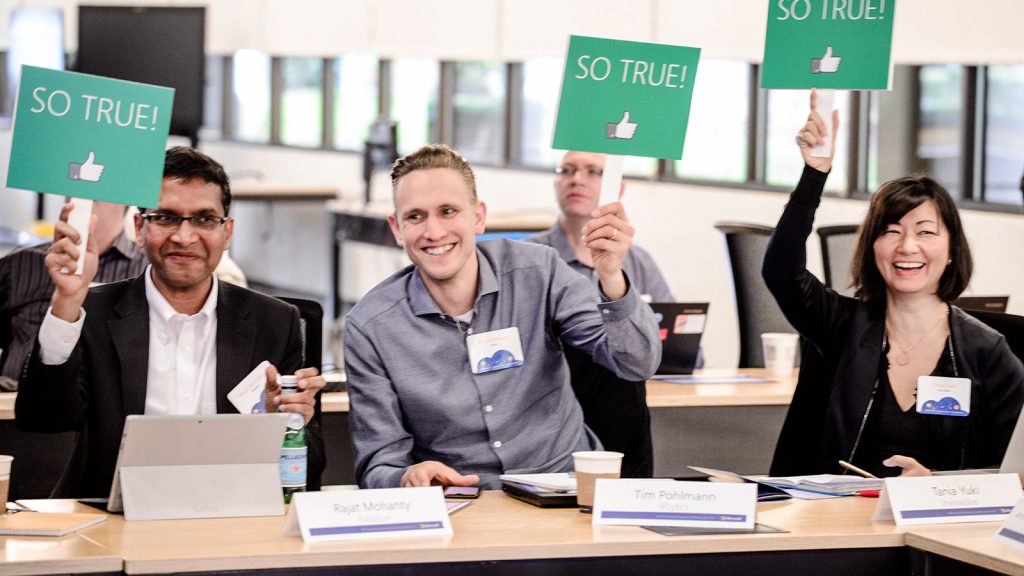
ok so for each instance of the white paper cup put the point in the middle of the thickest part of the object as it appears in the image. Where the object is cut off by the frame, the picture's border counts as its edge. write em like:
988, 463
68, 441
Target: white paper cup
589, 467
5, 481
779, 353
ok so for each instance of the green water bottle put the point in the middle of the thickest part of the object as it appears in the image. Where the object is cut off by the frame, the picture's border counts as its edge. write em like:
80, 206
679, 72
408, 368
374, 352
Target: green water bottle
294, 450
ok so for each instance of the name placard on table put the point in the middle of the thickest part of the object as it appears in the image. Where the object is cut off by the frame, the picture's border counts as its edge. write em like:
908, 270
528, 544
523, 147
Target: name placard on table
1012, 531
366, 514
948, 499
671, 503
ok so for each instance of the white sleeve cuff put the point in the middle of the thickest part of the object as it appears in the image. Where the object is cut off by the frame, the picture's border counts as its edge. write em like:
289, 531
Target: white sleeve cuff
57, 338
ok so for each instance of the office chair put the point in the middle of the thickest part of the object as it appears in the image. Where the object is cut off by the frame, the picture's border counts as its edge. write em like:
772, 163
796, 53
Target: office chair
837, 246
311, 320
615, 410
1009, 325
755, 306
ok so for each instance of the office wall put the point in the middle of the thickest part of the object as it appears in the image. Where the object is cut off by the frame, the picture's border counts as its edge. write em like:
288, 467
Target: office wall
287, 245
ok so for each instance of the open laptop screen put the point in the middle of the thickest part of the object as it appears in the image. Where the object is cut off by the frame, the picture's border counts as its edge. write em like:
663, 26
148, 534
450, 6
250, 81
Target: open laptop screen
681, 325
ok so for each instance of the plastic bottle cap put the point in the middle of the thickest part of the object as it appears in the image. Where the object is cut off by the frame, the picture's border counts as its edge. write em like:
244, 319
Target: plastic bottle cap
288, 383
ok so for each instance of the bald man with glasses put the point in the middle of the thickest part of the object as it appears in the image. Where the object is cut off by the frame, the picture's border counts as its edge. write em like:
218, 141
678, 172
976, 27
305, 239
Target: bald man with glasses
615, 409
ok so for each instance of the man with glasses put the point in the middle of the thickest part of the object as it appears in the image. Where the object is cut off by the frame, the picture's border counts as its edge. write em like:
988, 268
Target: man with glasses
614, 408
174, 340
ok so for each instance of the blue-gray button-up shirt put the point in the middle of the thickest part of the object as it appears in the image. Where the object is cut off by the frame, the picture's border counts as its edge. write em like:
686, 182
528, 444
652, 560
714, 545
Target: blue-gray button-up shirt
414, 397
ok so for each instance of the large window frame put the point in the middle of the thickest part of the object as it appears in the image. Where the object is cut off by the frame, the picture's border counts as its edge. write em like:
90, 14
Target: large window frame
862, 117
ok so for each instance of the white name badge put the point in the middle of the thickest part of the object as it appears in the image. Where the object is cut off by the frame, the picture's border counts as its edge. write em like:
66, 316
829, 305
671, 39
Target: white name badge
494, 350
1012, 531
247, 396
948, 499
366, 514
943, 396
671, 503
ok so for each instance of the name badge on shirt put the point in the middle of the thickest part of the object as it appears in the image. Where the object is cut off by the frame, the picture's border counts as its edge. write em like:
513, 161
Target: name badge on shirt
943, 396
495, 350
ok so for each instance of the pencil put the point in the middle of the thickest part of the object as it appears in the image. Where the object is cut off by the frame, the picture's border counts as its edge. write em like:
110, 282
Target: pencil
856, 470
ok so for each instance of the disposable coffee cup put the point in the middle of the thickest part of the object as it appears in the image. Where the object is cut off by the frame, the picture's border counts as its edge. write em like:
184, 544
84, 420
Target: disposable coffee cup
589, 467
779, 353
5, 481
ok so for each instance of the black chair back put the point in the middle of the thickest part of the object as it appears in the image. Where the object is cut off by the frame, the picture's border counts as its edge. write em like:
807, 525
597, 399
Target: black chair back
755, 306
1009, 325
311, 321
837, 246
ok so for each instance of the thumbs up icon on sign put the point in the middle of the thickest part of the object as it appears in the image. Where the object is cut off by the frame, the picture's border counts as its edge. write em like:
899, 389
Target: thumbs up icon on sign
827, 64
88, 171
622, 130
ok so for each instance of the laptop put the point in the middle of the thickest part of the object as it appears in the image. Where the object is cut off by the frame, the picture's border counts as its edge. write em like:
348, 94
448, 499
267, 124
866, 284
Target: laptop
989, 303
681, 325
199, 466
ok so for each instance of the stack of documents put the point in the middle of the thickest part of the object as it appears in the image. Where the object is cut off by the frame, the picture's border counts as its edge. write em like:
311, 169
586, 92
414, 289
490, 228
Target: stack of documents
835, 484
544, 490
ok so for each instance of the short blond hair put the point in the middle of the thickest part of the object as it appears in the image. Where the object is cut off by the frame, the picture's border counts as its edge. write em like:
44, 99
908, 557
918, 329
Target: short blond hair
433, 156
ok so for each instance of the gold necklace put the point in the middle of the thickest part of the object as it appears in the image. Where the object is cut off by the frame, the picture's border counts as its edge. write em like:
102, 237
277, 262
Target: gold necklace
903, 356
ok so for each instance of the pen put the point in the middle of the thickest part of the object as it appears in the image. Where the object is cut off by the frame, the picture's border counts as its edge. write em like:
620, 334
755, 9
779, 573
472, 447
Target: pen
856, 470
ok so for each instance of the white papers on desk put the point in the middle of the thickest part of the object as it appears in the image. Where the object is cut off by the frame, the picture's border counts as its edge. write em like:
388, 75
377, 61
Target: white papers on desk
826, 484
708, 378
556, 482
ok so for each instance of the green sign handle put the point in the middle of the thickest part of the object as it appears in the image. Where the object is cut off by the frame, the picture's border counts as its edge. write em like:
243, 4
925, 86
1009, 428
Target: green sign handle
611, 180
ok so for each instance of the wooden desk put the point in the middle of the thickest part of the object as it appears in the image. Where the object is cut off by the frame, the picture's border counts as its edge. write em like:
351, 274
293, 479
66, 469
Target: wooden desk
283, 193
71, 554
967, 544
497, 534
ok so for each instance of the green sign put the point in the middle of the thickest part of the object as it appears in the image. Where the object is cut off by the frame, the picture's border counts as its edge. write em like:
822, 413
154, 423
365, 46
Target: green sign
89, 137
627, 98
840, 44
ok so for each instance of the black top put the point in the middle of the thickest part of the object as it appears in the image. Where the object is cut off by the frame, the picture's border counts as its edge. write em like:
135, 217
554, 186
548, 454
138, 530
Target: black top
935, 441
843, 337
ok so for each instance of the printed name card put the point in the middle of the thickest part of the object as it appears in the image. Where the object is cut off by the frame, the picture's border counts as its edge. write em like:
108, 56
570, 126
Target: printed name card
948, 499
1012, 531
366, 514
671, 503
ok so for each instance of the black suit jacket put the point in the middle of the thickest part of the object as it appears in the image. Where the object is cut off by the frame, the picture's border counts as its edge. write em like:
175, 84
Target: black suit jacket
104, 380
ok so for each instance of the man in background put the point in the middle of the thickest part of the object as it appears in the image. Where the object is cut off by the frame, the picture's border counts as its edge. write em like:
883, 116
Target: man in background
26, 287
614, 408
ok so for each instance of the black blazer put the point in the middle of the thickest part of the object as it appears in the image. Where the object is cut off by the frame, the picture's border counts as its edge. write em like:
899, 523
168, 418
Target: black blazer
104, 380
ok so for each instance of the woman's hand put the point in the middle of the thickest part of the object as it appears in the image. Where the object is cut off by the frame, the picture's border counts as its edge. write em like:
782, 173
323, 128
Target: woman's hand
910, 466
814, 133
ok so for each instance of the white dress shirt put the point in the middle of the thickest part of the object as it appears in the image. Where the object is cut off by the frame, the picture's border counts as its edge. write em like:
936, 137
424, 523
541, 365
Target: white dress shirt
182, 375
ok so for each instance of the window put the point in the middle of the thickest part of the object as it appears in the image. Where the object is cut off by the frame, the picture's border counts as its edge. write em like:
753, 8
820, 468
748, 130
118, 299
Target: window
940, 135
718, 131
414, 102
479, 111
356, 93
214, 95
542, 78
302, 102
250, 91
1004, 129
787, 113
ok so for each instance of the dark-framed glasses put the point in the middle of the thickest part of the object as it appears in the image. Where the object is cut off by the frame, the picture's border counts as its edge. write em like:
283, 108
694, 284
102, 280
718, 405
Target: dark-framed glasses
570, 171
169, 222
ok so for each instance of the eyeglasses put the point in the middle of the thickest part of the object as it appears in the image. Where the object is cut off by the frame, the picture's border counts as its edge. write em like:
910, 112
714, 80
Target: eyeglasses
570, 171
169, 222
